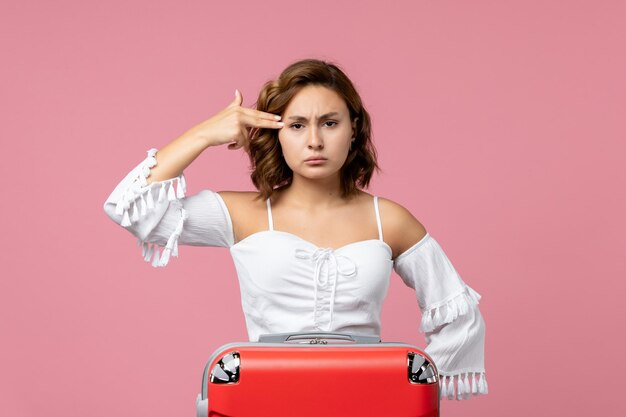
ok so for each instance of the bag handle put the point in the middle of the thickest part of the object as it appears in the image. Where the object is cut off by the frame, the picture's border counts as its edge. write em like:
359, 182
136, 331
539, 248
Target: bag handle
318, 338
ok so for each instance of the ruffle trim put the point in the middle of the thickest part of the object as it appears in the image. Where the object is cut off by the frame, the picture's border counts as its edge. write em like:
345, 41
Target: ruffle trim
449, 310
152, 252
139, 197
463, 385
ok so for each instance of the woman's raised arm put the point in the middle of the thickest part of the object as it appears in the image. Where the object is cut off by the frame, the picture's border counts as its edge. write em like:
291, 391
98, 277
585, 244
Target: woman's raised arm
231, 125
150, 201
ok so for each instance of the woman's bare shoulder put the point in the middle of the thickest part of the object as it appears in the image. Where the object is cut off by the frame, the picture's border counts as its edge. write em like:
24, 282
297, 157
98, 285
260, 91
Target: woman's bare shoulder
247, 211
401, 229
235, 198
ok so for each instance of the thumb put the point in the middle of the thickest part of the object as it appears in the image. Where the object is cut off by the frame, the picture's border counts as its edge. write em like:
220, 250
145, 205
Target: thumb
238, 98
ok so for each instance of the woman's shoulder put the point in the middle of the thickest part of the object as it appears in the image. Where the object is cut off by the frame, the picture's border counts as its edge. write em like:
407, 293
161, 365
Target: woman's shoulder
247, 211
401, 229
244, 203
241, 197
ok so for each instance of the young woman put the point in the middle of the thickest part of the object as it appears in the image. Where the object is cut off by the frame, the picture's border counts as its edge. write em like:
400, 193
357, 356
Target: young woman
313, 251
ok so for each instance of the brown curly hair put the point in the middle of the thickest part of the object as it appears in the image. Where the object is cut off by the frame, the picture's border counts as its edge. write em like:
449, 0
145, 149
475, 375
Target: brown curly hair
269, 171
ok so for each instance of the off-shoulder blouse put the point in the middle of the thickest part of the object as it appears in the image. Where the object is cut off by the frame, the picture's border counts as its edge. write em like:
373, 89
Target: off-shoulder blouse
289, 284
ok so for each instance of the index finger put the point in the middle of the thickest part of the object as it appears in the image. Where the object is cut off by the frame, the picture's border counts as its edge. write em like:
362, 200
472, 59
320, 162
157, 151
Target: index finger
260, 114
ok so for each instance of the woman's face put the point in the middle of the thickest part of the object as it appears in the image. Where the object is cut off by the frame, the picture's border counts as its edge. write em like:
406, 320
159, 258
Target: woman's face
317, 125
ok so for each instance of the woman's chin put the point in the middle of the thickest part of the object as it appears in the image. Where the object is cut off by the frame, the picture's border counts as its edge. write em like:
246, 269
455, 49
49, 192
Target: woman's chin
317, 173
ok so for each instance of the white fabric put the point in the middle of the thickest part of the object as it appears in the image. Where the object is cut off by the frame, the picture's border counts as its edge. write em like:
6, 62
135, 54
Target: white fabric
206, 220
453, 326
288, 284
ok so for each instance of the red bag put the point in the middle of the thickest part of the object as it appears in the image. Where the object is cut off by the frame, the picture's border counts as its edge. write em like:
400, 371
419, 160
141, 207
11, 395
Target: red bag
319, 374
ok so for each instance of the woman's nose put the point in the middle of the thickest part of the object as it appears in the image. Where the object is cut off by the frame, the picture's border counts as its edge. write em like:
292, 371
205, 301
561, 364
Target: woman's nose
315, 141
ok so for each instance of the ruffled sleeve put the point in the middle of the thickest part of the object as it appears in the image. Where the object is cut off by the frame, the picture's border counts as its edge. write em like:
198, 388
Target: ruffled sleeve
452, 324
162, 217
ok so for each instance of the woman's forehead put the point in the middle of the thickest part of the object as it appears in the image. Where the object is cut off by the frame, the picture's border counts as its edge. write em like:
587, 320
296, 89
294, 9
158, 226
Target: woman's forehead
315, 101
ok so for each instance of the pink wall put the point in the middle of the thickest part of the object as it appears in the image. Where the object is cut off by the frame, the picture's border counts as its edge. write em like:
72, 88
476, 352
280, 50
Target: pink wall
499, 124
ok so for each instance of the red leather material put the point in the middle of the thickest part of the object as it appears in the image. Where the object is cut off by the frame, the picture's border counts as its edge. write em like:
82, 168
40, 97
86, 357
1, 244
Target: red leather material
327, 381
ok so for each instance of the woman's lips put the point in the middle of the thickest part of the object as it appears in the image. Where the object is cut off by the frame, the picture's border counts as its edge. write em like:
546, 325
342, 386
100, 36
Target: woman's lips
315, 161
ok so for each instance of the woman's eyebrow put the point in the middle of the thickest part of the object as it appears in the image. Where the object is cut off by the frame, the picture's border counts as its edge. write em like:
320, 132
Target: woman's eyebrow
323, 116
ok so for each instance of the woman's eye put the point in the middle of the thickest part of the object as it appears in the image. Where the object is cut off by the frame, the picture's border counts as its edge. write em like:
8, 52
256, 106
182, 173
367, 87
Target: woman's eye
297, 126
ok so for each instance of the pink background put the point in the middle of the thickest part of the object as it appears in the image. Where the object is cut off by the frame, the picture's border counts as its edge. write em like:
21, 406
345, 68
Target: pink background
499, 124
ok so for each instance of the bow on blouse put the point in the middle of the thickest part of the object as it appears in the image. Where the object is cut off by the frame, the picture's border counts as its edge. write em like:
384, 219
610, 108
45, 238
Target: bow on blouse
322, 256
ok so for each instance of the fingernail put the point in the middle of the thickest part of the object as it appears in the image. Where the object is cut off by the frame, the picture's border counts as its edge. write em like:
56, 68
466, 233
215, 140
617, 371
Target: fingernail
281, 124
277, 117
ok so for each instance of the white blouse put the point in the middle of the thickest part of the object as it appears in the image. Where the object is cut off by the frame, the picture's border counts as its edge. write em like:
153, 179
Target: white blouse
288, 284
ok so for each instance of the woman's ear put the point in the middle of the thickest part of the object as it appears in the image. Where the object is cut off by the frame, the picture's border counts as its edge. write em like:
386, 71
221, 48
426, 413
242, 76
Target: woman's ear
354, 127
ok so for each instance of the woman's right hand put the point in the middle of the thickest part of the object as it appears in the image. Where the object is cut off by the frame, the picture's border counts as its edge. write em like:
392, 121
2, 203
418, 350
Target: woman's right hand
233, 124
